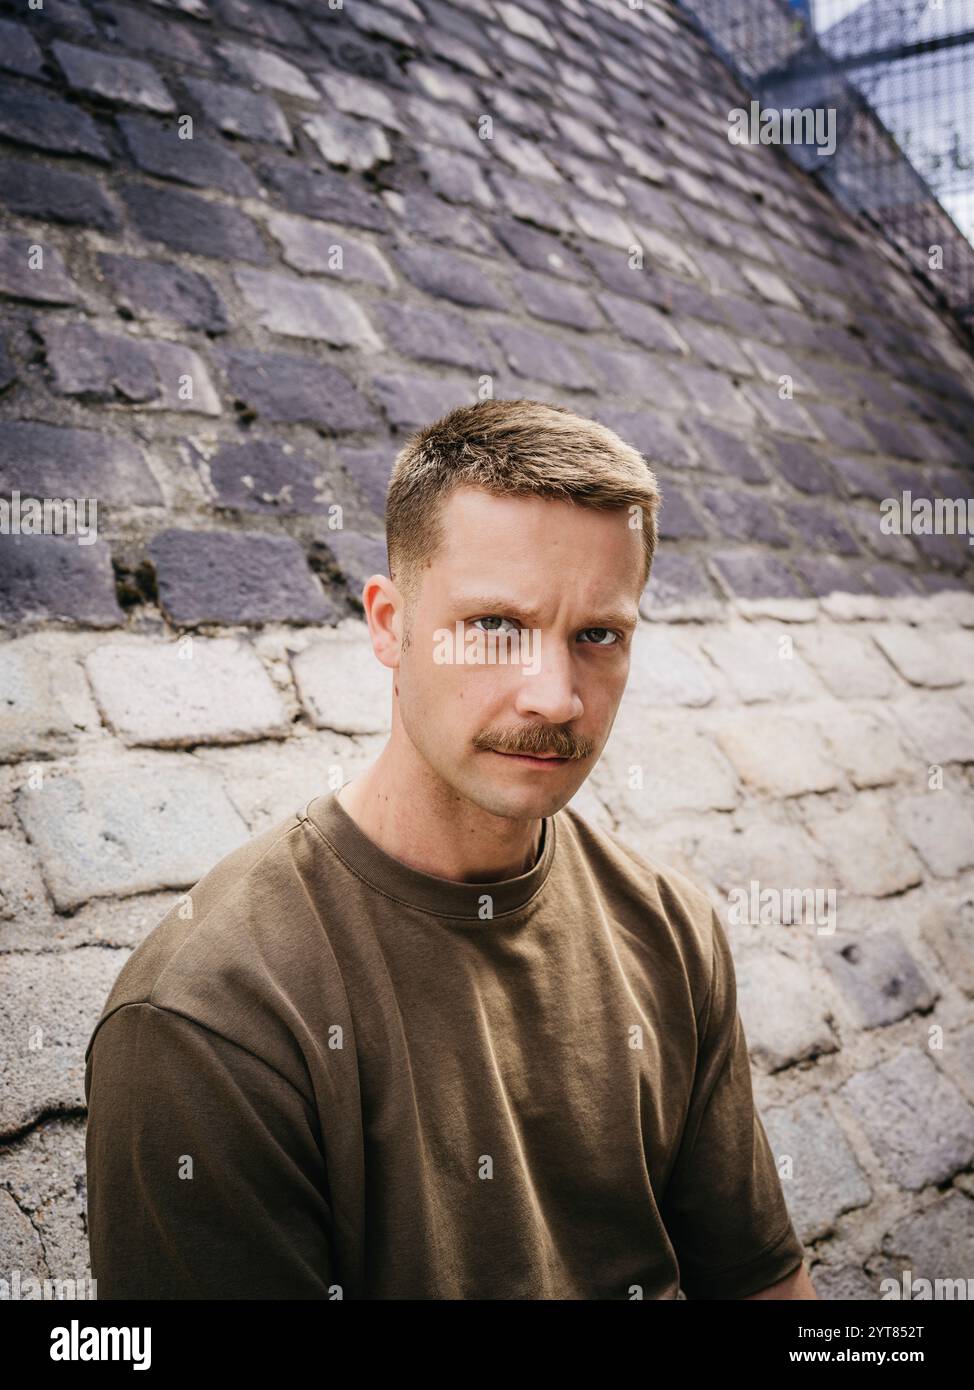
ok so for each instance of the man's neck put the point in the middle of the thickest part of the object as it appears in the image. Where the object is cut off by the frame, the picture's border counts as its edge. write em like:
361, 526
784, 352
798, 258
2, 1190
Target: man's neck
457, 841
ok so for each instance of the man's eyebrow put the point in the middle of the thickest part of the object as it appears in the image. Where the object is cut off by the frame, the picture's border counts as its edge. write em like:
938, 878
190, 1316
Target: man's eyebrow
484, 604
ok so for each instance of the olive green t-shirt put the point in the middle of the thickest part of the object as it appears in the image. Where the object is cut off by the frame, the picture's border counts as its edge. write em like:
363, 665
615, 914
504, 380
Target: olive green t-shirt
326, 1074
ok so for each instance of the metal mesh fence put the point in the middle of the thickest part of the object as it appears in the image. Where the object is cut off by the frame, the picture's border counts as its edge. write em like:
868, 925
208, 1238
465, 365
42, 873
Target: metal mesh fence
899, 77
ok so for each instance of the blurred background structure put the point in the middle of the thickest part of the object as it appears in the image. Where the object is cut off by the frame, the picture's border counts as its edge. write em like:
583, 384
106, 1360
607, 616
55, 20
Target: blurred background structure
900, 74
250, 245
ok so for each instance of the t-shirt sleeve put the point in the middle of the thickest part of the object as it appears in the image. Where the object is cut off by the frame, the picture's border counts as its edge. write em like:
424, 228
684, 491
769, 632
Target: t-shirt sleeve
724, 1207
206, 1179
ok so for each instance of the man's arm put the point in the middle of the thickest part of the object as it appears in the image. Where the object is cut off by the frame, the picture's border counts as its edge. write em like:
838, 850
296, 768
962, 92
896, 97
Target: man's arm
795, 1285
206, 1178
724, 1206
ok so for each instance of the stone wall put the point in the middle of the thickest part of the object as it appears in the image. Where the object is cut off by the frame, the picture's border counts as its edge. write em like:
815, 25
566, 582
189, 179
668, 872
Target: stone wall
384, 211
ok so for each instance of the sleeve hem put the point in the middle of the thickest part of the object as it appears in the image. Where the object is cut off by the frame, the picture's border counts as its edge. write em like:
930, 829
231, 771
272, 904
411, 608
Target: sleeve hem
771, 1264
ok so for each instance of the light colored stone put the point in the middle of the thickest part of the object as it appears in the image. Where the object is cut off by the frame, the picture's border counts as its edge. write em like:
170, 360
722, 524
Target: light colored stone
662, 672
194, 690
349, 142
268, 782
652, 767
940, 824
269, 70
44, 1176
34, 722
937, 727
304, 309
309, 245
871, 857
783, 1009
823, 1179
916, 1120
127, 825
342, 686
935, 1244
921, 658
760, 663
847, 661
50, 1003
866, 744
774, 854
776, 754
877, 974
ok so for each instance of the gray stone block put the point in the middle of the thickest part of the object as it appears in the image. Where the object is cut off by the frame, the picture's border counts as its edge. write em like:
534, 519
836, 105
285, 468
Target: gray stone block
126, 826
918, 1123
825, 1179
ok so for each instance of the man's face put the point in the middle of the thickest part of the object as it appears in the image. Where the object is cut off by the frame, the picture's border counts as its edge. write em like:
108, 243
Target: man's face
560, 583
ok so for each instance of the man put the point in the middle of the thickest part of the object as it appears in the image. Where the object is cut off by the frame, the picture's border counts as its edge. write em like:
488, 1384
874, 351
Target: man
435, 1036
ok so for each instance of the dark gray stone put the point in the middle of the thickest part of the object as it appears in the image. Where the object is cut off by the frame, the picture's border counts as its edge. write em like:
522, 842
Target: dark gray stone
355, 556
50, 461
124, 81
652, 434
227, 577
188, 223
433, 335
31, 117
726, 453
22, 277
825, 575
55, 195
262, 20
156, 147
640, 323
803, 469
370, 471
411, 401
678, 520
133, 29
637, 374
253, 115
447, 276
541, 358
260, 477
819, 529
539, 251
8, 372
429, 219
124, 369
18, 51
741, 516
323, 193
892, 581
677, 579
750, 576
155, 290
557, 302
54, 578
292, 389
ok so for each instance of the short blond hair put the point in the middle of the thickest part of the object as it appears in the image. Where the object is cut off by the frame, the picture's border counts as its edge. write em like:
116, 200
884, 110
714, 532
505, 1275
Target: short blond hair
512, 448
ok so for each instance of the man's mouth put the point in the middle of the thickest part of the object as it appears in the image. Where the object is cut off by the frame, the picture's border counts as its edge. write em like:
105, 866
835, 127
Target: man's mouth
533, 759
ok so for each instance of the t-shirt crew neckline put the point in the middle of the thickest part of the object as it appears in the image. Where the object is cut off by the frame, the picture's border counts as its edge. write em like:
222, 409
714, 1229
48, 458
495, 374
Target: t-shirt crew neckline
445, 897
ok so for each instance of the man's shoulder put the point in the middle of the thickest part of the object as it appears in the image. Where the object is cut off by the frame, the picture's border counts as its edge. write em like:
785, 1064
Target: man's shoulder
225, 939
664, 890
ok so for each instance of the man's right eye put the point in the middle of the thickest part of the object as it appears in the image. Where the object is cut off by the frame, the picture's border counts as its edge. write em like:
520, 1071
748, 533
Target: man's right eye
491, 618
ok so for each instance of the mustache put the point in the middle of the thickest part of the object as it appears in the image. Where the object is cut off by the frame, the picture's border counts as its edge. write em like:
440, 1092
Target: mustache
535, 742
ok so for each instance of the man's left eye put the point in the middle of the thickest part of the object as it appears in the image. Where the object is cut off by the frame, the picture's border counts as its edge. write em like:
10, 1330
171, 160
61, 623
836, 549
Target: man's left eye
607, 632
